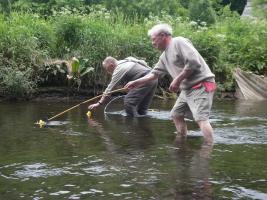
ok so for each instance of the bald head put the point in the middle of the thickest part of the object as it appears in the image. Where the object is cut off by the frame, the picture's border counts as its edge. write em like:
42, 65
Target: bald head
109, 64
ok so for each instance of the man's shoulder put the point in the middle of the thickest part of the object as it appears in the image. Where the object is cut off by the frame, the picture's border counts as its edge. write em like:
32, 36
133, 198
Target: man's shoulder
133, 59
180, 39
137, 61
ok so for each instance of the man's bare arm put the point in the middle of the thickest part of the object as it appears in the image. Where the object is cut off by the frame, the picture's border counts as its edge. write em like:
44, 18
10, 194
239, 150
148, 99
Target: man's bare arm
141, 81
175, 84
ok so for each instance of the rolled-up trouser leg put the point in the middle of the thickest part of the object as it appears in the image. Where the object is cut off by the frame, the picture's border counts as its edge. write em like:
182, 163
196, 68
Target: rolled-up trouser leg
137, 101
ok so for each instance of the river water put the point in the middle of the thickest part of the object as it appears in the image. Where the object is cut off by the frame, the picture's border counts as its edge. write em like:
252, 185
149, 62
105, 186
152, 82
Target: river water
114, 157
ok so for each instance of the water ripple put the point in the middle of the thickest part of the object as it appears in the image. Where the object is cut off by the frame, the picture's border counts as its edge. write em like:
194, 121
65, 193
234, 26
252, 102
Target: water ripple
59, 193
241, 135
37, 170
242, 192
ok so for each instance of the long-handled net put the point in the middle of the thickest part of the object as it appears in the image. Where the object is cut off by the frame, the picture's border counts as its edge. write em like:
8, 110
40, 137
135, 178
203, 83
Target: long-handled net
42, 123
115, 106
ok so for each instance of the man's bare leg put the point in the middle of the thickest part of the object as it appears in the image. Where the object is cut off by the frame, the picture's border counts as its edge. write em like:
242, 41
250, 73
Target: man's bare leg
180, 125
207, 131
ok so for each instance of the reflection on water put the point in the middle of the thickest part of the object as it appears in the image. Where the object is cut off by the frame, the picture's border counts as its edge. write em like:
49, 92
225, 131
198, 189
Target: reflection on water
194, 170
115, 157
56, 123
152, 113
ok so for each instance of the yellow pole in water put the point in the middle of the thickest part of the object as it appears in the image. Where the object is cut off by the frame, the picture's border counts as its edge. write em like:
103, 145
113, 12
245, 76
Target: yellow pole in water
42, 123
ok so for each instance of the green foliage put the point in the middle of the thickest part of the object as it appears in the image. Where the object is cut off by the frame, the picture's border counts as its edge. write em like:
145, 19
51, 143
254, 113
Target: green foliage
53, 73
69, 33
225, 13
131, 9
243, 43
77, 71
16, 84
47, 8
211, 51
5, 6
28, 42
259, 8
24, 43
143, 8
201, 11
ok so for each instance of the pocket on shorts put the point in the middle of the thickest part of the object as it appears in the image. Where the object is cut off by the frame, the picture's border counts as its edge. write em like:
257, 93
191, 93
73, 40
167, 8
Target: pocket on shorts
200, 104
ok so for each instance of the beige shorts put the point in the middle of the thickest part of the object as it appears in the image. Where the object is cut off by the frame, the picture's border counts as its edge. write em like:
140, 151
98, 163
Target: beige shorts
193, 104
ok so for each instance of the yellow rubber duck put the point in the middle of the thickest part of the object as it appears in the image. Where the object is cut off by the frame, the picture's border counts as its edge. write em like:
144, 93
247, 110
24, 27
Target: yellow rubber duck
89, 114
41, 123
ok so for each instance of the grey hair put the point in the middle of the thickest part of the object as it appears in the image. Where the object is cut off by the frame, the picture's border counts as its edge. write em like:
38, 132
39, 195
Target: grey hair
160, 28
109, 60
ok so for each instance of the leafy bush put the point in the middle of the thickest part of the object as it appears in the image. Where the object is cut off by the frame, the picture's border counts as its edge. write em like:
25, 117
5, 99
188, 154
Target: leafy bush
259, 8
242, 43
144, 8
25, 42
69, 33
201, 11
16, 84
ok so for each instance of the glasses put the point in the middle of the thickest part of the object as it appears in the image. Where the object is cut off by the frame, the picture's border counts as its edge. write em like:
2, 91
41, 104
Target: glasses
157, 37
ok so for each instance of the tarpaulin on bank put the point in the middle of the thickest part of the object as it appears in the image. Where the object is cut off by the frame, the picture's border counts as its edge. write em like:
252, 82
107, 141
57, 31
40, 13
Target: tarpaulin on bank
250, 86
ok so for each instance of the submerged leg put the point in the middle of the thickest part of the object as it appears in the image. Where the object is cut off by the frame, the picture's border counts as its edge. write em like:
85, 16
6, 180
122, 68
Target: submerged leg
130, 110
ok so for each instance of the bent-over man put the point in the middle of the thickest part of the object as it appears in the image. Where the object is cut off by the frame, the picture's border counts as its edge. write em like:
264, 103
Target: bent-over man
137, 101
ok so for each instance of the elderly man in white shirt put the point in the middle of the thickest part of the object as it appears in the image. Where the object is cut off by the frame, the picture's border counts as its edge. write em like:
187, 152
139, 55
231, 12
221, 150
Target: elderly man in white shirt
191, 75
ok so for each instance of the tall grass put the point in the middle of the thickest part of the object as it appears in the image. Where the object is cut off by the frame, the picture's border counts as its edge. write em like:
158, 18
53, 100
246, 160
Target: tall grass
25, 41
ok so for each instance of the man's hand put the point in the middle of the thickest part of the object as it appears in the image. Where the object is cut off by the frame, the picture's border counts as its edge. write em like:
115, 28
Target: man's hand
131, 85
93, 106
174, 86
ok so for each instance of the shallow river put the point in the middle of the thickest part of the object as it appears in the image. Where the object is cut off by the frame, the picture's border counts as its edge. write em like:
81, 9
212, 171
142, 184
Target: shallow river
114, 157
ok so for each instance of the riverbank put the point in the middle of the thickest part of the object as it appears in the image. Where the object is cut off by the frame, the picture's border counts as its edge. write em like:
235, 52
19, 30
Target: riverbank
65, 94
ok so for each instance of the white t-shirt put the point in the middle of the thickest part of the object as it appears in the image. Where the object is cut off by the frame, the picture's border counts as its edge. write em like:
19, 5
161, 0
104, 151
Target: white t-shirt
179, 55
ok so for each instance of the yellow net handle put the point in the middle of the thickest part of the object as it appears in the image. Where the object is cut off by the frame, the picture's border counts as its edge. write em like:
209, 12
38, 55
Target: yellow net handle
92, 99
